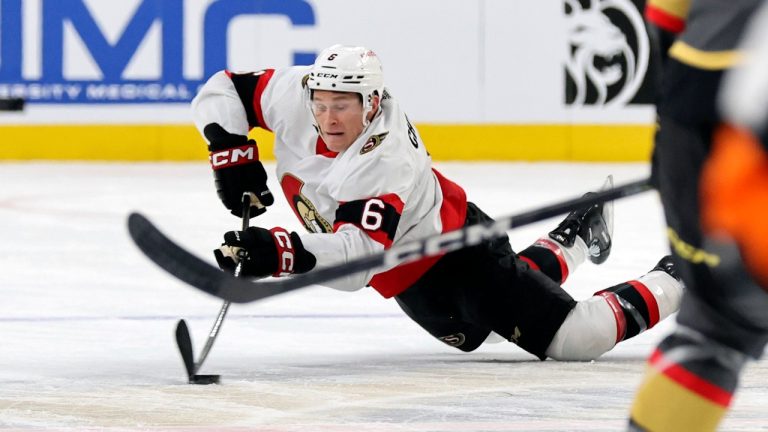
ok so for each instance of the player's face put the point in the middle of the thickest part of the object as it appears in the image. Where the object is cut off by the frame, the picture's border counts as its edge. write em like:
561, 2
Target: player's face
340, 117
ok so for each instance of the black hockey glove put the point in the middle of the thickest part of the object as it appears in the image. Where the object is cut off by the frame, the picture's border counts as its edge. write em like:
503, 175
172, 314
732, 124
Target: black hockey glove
237, 169
264, 252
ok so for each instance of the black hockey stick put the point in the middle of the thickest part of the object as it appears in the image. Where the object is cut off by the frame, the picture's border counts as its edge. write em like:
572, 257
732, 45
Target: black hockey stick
203, 276
183, 339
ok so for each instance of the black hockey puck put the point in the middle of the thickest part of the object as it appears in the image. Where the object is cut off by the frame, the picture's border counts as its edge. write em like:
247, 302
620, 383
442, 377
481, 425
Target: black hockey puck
204, 379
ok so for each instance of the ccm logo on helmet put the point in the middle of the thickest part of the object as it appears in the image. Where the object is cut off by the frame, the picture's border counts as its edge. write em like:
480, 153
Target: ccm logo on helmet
326, 75
234, 156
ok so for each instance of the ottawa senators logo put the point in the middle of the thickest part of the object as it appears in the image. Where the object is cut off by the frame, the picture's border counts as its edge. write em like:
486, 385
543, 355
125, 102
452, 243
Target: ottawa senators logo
309, 216
373, 142
303, 207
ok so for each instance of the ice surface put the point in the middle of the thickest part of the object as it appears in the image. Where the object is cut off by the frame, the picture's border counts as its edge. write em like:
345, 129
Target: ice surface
86, 322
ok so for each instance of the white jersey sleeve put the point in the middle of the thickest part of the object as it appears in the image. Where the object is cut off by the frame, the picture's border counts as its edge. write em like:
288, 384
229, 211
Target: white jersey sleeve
218, 102
343, 246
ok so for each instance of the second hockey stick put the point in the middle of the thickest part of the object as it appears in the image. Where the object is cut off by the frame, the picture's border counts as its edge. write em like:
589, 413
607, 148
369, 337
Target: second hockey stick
187, 267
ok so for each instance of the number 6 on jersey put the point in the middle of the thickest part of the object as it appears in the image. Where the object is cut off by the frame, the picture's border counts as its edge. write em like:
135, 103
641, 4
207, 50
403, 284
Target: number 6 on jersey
372, 218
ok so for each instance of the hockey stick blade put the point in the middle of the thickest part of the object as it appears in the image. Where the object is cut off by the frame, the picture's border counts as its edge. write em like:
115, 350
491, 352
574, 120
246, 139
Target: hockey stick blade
184, 342
203, 276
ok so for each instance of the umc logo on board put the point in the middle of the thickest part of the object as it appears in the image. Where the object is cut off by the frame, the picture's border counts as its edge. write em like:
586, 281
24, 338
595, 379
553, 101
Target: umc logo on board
608, 62
65, 26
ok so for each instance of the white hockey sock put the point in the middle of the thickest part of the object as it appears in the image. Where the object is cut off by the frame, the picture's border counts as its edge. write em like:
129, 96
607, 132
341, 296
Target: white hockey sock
554, 259
574, 255
597, 324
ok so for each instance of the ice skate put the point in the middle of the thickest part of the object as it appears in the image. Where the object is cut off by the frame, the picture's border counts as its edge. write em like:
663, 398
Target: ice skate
667, 265
594, 224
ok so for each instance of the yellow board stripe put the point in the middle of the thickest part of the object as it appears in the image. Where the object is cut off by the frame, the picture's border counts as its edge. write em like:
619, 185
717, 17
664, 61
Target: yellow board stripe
101, 143
709, 60
662, 405
486, 142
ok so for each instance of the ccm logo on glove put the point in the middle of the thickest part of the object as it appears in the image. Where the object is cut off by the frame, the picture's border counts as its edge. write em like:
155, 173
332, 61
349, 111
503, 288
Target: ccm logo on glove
274, 252
237, 169
233, 157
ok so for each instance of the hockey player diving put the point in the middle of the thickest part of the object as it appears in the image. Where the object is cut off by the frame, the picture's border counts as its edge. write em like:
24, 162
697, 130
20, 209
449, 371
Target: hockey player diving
358, 176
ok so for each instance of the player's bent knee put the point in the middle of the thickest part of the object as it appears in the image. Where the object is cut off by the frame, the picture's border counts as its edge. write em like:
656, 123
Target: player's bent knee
588, 331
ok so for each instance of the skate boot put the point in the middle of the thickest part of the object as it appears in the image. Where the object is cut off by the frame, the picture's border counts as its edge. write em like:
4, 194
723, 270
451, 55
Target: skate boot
667, 265
591, 225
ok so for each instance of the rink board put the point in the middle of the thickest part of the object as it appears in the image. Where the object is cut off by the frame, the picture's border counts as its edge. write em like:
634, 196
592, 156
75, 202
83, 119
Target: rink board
578, 143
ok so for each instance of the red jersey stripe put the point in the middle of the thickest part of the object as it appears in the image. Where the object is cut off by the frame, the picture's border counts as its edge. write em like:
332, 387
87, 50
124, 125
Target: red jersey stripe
322, 149
379, 235
260, 86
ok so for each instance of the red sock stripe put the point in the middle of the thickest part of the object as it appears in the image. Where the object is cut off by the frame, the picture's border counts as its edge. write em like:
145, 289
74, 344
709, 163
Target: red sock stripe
557, 250
689, 380
530, 262
618, 313
650, 301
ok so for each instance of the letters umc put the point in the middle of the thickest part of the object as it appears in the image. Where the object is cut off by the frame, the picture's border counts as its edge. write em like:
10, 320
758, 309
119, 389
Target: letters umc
112, 59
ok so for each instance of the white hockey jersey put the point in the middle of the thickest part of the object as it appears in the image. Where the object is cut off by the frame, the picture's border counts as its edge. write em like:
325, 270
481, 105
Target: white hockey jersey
381, 191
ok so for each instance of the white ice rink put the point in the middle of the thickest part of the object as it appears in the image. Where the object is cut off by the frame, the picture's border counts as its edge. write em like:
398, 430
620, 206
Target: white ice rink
86, 322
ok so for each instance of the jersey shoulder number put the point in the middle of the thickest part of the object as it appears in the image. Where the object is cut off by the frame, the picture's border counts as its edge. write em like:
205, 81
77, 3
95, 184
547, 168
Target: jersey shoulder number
377, 216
